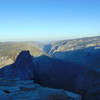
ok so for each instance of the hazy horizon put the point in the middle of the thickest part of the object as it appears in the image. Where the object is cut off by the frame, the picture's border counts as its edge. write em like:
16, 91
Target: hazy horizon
48, 20
46, 41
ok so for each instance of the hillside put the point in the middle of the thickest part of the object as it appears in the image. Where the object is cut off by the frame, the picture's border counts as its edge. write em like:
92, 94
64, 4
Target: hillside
84, 51
9, 51
73, 44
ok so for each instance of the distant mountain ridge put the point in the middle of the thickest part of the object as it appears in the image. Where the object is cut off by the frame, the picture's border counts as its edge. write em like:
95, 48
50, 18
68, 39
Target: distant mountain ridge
84, 51
72, 44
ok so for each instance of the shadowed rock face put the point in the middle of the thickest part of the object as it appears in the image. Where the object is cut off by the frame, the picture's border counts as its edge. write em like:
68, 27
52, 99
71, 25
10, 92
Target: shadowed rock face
50, 72
23, 68
23, 58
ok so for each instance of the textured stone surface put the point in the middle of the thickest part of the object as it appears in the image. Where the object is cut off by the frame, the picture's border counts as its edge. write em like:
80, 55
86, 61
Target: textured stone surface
28, 90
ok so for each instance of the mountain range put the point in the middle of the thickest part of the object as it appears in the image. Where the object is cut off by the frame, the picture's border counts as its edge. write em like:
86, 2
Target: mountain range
72, 65
83, 51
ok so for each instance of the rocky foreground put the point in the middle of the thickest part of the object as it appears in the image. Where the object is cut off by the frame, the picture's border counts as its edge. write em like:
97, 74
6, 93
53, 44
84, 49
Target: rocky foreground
28, 90
48, 72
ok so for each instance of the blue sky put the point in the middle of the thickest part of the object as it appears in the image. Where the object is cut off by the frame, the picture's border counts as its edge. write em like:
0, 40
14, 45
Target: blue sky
48, 19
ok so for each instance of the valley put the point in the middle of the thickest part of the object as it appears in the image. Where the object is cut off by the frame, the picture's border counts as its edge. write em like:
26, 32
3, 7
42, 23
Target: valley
69, 65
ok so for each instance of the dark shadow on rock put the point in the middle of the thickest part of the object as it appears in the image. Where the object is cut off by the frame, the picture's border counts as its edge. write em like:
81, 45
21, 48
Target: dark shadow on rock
51, 72
87, 57
22, 69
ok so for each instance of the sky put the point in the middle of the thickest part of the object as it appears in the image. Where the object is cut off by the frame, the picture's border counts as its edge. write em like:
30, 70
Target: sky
42, 20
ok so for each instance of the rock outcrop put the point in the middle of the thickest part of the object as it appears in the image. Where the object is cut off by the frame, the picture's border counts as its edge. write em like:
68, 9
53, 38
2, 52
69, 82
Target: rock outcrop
51, 72
22, 68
